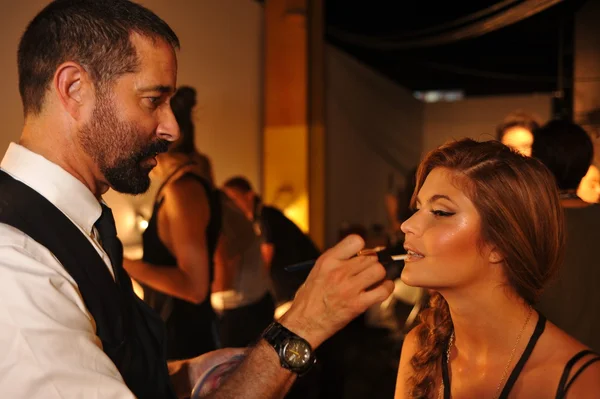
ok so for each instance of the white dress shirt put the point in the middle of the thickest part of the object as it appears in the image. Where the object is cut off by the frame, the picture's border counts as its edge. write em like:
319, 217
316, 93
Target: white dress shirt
48, 343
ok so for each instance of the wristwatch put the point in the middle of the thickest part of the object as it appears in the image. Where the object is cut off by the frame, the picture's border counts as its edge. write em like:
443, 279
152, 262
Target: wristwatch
295, 353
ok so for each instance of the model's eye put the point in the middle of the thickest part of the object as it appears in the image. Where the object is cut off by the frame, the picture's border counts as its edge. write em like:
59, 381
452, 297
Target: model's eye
437, 212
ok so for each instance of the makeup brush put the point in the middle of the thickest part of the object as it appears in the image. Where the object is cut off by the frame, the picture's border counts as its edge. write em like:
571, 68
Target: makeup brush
384, 257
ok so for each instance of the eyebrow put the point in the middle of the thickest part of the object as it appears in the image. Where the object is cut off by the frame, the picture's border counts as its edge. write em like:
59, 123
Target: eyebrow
436, 197
159, 88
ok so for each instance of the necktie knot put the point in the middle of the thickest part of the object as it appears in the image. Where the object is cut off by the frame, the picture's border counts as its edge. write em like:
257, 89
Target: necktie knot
106, 224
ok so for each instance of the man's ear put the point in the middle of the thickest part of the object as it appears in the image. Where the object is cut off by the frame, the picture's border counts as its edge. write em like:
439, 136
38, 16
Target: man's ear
73, 88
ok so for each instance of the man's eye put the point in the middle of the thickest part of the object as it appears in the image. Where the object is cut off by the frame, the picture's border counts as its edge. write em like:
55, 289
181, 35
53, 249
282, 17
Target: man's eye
154, 101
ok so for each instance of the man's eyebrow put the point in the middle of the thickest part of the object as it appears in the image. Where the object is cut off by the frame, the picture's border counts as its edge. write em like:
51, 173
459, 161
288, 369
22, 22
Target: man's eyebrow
159, 88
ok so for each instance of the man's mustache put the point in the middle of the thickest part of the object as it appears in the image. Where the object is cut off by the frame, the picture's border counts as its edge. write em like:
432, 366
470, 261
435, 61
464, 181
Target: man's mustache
153, 149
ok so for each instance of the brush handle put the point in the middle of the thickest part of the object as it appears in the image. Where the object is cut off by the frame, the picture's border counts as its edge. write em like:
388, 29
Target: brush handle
383, 256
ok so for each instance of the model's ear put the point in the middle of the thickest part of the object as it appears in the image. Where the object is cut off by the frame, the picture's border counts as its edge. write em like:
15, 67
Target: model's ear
495, 256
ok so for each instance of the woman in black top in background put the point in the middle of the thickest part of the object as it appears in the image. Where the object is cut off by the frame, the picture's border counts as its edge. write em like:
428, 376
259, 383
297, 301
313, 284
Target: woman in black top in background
487, 235
179, 242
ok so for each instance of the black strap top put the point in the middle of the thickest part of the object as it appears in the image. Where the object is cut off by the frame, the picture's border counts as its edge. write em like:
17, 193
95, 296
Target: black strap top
565, 382
155, 250
190, 327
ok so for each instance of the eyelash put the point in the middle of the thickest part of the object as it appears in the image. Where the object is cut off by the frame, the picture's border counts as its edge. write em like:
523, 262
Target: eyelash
436, 212
439, 213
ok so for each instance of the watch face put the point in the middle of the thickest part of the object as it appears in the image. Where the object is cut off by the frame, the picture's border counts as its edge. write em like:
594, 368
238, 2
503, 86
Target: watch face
296, 353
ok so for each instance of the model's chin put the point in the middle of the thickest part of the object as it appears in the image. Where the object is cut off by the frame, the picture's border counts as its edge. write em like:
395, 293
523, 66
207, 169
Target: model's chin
413, 275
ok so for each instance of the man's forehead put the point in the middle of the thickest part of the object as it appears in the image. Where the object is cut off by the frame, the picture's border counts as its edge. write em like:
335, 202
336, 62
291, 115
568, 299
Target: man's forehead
157, 69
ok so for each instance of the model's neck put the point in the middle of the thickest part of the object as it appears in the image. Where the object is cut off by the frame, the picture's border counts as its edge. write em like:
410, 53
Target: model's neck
488, 325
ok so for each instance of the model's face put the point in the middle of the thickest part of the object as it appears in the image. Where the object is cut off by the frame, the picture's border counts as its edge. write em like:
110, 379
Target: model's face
443, 236
519, 139
132, 120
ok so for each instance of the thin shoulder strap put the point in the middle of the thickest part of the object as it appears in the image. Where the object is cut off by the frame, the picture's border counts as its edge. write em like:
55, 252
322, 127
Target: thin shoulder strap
445, 374
565, 383
539, 329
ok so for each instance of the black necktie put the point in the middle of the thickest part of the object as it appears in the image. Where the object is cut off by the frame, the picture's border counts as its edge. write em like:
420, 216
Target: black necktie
108, 235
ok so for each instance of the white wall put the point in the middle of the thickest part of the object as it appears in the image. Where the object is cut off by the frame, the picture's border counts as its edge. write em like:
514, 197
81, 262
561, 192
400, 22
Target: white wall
477, 117
374, 129
13, 20
220, 56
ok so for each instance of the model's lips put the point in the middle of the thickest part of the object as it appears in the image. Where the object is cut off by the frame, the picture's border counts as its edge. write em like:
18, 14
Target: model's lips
413, 254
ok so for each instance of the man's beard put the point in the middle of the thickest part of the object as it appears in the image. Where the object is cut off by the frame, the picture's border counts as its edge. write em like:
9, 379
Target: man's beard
118, 149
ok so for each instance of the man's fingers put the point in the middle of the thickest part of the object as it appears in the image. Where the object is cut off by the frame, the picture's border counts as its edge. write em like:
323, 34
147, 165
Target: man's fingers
346, 248
369, 276
377, 294
357, 265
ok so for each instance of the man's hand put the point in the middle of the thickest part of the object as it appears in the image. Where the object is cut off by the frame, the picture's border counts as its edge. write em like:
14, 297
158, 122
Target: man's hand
338, 289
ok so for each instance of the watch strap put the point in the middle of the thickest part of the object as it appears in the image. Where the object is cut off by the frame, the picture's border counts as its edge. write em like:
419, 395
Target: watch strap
276, 334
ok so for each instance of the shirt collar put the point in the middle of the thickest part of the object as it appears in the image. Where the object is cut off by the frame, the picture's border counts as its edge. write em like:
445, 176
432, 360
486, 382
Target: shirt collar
54, 183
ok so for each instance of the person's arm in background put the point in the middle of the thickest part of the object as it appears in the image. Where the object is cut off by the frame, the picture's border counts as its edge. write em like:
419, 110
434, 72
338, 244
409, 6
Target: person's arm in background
267, 248
267, 251
338, 289
188, 213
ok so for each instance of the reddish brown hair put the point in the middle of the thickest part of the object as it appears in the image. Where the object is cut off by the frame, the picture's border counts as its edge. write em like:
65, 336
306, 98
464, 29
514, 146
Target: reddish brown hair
517, 200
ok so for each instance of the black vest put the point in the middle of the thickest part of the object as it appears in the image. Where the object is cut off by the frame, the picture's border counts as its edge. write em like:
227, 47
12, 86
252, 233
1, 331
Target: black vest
132, 334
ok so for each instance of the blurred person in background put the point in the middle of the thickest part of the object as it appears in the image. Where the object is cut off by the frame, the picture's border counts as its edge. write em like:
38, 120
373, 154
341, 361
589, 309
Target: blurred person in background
516, 131
284, 244
589, 188
573, 299
242, 286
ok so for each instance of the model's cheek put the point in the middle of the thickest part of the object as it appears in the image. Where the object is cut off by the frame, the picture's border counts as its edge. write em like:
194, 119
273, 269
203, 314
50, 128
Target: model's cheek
457, 240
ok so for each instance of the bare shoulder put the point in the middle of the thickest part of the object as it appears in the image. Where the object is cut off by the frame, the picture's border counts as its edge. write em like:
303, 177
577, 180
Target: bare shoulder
580, 366
587, 383
548, 366
186, 195
186, 186
410, 344
186, 208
